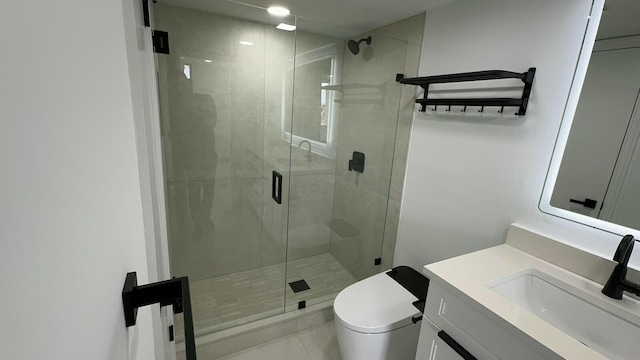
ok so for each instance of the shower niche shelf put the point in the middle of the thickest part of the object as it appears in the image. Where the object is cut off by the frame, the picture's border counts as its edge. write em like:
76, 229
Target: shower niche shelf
359, 94
424, 82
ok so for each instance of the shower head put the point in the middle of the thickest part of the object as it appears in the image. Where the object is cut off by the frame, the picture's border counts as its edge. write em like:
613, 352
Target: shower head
354, 46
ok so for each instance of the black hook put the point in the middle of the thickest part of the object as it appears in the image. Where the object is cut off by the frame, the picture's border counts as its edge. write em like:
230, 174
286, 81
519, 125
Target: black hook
501, 109
481, 109
464, 109
449, 108
435, 108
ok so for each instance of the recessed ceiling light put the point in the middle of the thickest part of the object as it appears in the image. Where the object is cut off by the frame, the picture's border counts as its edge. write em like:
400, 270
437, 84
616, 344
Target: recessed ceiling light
207, 61
246, 43
286, 27
278, 11
187, 71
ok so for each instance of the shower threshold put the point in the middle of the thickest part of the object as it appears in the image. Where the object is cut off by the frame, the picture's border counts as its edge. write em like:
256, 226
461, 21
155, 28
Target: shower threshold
238, 338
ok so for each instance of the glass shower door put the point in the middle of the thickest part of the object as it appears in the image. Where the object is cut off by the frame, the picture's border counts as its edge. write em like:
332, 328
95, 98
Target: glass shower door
344, 104
222, 113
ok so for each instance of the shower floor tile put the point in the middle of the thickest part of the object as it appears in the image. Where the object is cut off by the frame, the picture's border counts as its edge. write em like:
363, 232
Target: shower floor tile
238, 298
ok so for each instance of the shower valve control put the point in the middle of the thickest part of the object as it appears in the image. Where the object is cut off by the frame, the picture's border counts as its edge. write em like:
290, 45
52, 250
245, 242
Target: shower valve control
357, 162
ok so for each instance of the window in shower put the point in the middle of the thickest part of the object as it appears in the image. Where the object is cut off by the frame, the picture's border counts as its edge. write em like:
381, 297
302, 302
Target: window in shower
316, 71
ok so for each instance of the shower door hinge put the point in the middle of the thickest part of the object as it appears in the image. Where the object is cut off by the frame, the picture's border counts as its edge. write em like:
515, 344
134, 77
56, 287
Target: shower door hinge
377, 261
160, 42
171, 335
160, 38
145, 13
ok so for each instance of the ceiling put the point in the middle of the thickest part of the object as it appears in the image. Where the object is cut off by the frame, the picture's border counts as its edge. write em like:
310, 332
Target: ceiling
348, 18
339, 18
621, 18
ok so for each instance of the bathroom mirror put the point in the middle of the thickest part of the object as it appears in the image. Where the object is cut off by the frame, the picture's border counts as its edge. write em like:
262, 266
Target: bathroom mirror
594, 177
314, 109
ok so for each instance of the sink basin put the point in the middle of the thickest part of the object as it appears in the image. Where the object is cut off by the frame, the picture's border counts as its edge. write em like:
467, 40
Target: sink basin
587, 317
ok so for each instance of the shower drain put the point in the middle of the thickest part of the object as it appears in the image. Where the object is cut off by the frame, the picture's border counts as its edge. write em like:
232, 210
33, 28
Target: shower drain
299, 285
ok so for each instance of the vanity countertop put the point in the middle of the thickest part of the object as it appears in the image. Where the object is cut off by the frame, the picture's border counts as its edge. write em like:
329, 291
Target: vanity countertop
468, 277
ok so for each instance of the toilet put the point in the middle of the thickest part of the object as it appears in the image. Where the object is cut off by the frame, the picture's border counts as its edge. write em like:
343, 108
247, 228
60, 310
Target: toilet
373, 317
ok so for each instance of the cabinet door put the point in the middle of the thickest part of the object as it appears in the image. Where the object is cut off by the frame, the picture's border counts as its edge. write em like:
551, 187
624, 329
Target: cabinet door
432, 347
478, 333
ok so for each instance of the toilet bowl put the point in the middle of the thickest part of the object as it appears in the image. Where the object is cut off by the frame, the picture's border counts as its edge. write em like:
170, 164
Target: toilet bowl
373, 319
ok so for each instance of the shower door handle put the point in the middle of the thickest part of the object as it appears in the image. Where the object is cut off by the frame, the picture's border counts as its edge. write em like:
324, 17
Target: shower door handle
276, 186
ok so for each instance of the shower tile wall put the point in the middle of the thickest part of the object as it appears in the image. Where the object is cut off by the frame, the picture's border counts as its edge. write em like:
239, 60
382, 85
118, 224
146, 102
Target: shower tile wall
212, 126
312, 180
368, 122
412, 31
275, 149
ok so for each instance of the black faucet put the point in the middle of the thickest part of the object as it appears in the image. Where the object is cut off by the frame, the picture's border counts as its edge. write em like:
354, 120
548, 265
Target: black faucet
617, 282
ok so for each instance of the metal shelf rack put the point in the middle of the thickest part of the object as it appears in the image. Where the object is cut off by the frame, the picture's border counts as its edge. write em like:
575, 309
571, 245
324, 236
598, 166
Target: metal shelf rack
521, 103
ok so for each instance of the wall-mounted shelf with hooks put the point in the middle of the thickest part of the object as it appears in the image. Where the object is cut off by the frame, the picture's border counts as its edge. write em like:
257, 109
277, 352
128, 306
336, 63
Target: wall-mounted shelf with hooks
520, 103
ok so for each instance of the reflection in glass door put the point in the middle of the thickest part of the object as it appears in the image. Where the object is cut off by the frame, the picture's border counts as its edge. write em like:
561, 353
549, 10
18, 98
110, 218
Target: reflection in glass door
221, 103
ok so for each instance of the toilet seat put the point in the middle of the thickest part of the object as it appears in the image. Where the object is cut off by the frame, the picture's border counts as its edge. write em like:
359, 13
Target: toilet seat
374, 305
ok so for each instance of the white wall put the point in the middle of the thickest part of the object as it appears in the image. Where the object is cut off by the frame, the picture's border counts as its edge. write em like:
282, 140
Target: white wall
71, 222
467, 179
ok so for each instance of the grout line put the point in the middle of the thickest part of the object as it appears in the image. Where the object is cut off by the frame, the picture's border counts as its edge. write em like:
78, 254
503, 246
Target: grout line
302, 342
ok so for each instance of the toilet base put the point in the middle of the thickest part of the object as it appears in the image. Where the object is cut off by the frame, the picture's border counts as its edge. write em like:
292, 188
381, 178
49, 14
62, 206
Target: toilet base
399, 344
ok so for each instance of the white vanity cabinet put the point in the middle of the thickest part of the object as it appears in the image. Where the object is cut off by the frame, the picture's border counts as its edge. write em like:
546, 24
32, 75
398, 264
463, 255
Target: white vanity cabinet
432, 347
453, 329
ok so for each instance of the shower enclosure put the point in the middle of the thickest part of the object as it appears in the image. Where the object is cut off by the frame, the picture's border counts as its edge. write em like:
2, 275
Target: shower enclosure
258, 127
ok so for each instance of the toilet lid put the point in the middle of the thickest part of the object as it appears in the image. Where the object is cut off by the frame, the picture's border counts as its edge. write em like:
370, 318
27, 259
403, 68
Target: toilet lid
374, 305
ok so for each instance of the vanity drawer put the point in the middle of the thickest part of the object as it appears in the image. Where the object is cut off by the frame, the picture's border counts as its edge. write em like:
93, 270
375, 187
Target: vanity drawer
470, 327
435, 344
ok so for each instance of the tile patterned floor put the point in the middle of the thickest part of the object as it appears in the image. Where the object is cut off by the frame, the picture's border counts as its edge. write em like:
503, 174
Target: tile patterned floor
325, 276
316, 343
242, 297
